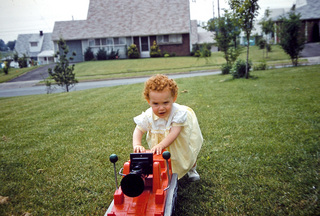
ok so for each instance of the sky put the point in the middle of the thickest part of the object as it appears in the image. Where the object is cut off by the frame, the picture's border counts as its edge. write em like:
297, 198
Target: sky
31, 16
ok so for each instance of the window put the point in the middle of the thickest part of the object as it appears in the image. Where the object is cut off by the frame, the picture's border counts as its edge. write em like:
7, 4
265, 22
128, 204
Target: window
103, 41
169, 39
97, 42
91, 43
109, 41
33, 44
119, 41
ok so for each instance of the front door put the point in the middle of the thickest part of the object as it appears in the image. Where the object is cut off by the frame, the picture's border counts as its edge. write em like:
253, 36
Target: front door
144, 47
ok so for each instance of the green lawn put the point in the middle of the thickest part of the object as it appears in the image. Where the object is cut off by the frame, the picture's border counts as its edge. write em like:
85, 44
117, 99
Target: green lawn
99, 70
141, 67
261, 153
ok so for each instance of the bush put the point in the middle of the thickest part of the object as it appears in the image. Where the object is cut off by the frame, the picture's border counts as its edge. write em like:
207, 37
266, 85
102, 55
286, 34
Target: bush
113, 54
195, 48
155, 50
23, 61
6, 67
261, 66
88, 55
133, 52
239, 68
101, 54
197, 53
205, 50
262, 43
269, 48
226, 68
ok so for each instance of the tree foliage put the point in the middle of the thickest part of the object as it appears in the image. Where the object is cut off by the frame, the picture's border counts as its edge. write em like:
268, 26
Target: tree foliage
291, 36
227, 30
267, 28
62, 72
245, 11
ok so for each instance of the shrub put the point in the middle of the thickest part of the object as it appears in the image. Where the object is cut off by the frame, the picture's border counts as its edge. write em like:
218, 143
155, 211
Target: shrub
101, 54
195, 48
166, 55
133, 52
261, 66
23, 61
239, 68
261, 43
226, 68
113, 54
197, 53
205, 50
269, 47
88, 55
155, 50
6, 67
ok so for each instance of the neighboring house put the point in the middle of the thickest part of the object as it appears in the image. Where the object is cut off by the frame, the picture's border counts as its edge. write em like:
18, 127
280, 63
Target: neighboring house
37, 47
206, 37
310, 17
256, 30
115, 25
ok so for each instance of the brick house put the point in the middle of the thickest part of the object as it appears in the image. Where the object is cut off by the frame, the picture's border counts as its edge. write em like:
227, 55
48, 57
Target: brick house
310, 17
115, 25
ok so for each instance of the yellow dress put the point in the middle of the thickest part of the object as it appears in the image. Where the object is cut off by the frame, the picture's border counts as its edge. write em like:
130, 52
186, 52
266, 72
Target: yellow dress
185, 149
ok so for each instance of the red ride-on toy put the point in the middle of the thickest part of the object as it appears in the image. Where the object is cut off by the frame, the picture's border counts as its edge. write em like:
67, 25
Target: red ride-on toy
148, 186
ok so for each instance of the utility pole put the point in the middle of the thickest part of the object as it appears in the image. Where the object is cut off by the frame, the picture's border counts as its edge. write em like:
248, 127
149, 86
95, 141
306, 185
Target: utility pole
218, 10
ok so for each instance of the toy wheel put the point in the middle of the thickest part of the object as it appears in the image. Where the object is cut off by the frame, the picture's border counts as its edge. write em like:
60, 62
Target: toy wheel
171, 196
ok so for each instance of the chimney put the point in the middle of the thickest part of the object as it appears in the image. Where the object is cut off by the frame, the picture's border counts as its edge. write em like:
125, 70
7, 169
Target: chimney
41, 33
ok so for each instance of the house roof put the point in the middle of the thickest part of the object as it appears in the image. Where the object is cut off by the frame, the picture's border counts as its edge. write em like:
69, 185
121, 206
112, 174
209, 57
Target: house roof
111, 18
311, 10
308, 9
22, 45
205, 36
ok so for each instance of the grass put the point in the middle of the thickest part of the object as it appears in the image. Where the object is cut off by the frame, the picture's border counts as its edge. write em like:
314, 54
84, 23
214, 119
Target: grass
141, 67
100, 70
261, 153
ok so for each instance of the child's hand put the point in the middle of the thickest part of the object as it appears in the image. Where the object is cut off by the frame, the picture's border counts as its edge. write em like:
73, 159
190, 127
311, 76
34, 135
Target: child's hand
139, 149
157, 149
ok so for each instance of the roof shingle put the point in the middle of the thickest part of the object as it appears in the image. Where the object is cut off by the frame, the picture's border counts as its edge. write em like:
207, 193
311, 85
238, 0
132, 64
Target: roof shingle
114, 18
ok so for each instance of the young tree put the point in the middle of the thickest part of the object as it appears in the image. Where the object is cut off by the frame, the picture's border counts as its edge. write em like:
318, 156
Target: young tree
245, 11
62, 72
291, 36
227, 30
267, 27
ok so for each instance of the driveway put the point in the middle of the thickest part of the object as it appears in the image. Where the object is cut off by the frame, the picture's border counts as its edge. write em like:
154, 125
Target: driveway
310, 50
37, 74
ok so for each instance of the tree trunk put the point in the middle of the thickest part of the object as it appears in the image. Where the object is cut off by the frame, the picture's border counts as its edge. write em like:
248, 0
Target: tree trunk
247, 66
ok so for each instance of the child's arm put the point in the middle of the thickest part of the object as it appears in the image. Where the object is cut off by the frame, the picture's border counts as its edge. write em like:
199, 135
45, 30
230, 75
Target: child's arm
136, 141
173, 134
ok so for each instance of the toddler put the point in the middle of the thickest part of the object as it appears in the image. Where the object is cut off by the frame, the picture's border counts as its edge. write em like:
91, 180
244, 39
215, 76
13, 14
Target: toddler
169, 126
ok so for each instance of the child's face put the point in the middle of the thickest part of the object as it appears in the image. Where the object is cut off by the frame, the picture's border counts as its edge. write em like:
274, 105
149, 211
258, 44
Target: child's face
161, 102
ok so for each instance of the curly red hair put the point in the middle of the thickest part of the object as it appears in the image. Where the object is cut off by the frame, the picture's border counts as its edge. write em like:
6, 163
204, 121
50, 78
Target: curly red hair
158, 83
